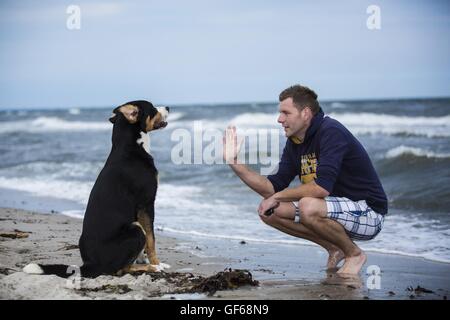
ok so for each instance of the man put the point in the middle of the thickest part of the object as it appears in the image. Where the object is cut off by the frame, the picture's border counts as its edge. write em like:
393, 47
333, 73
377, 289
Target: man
340, 198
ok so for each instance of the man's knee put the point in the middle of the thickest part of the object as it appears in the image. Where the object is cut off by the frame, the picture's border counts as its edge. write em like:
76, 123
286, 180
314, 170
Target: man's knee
273, 220
284, 211
310, 209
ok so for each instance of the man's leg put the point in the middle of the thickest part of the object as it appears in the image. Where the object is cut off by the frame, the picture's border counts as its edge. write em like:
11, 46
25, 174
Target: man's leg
283, 220
314, 216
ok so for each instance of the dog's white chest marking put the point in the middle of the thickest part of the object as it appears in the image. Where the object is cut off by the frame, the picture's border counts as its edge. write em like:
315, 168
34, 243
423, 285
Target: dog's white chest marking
142, 258
145, 141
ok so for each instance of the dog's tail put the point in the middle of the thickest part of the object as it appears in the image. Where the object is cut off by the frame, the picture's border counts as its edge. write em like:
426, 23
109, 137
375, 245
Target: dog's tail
60, 270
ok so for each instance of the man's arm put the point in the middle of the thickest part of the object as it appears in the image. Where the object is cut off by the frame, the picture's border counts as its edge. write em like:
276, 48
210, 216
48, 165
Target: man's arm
310, 189
256, 182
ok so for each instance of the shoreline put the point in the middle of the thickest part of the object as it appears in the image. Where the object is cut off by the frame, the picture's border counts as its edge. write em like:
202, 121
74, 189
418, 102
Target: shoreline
28, 201
283, 271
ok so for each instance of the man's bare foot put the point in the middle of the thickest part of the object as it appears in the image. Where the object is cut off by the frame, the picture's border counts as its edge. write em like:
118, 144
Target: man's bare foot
335, 256
353, 264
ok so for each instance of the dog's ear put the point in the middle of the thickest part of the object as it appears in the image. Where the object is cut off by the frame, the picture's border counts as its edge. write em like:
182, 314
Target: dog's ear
113, 117
129, 111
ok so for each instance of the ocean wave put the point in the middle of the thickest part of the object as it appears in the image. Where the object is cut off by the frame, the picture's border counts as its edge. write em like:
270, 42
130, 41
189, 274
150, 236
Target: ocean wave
53, 124
357, 123
170, 197
175, 116
338, 105
242, 121
371, 123
56, 124
54, 170
255, 120
400, 236
74, 111
413, 235
191, 210
61, 189
417, 152
77, 214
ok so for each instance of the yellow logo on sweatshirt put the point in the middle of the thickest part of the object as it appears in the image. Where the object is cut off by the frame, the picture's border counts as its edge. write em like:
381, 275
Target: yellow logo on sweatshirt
308, 167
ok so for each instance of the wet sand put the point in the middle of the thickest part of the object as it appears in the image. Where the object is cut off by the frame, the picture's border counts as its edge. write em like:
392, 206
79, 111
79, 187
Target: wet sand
283, 272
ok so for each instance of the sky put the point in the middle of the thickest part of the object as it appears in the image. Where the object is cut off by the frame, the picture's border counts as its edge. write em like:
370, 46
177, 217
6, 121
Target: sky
208, 52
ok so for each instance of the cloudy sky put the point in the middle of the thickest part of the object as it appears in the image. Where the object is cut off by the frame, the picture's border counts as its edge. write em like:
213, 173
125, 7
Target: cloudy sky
187, 52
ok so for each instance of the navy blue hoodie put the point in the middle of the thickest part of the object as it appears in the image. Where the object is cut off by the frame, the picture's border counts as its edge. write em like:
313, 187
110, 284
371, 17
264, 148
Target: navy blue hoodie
335, 159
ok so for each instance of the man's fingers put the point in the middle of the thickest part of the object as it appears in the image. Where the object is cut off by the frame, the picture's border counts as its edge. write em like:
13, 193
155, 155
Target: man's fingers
231, 143
240, 144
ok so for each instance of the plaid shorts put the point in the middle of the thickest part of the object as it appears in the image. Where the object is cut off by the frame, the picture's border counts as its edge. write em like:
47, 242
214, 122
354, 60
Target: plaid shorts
358, 219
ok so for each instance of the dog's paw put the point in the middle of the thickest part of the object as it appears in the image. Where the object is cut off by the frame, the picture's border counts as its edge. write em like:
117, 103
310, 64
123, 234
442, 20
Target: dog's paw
161, 266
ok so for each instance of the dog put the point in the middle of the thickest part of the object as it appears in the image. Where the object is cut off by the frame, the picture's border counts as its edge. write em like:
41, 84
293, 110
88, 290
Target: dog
118, 223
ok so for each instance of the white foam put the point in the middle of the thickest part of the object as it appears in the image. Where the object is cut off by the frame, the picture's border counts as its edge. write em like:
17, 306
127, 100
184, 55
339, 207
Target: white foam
255, 120
61, 189
74, 111
175, 116
188, 199
56, 124
195, 211
371, 123
241, 121
338, 105
418, 152
53, 124
56, 170
77, 214
400, 236
358, 123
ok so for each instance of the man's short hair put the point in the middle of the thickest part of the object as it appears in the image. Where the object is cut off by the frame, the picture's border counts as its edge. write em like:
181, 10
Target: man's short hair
302, 97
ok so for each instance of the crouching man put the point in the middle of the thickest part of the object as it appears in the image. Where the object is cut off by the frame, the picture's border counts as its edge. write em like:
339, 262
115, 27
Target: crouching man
340, 198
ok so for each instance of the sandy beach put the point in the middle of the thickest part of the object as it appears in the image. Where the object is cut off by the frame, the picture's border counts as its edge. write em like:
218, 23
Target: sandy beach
282, 272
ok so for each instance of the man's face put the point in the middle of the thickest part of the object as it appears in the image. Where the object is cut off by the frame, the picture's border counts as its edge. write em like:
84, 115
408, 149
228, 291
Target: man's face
294, 122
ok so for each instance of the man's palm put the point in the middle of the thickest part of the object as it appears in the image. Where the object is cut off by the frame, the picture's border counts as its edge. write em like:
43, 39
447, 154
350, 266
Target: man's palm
231, 147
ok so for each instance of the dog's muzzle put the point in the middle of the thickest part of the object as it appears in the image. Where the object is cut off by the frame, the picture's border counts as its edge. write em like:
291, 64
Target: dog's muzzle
160, 125
164, 111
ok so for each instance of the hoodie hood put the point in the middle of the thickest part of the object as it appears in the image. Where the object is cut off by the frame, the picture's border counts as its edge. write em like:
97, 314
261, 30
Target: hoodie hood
316, 121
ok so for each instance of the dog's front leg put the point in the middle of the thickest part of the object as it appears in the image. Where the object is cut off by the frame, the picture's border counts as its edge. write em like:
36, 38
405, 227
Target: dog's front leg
150, 246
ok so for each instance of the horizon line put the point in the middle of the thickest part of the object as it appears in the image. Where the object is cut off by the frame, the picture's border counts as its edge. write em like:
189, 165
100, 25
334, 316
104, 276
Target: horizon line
202, 104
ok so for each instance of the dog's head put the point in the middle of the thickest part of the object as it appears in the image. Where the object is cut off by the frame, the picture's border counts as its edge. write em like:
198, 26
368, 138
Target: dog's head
143, 114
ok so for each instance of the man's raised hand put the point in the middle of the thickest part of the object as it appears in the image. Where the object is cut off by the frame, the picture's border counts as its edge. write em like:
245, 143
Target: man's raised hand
231, 146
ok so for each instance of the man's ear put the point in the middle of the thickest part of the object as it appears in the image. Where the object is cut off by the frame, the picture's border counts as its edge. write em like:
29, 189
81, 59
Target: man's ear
129, 111
307, 112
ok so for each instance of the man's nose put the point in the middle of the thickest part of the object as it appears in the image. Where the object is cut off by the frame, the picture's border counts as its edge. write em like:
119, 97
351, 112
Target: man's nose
280, 120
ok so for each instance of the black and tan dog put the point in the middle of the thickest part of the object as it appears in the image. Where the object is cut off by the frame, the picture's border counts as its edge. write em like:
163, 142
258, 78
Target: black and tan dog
118, 223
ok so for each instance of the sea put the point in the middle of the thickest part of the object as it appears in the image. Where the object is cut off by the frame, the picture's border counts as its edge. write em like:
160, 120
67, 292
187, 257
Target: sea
50, 159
